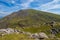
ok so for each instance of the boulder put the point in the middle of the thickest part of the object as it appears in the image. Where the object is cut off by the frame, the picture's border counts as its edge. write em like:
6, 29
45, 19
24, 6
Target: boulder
42, 35
34, 36
54, 31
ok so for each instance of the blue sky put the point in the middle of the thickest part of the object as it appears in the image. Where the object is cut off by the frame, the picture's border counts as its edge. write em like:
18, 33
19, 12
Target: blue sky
9, 6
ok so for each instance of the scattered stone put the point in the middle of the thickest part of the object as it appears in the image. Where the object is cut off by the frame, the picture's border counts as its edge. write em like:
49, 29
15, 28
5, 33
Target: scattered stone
39, 36
54, 31
34, 35
9, 30
42, 35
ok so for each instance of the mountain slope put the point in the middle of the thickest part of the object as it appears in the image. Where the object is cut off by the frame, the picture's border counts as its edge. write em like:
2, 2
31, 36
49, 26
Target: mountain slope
28, 17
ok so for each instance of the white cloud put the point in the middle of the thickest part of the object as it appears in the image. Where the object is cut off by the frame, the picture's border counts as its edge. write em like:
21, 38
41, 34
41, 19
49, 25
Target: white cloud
13, 1
2, 13
50, 5
26, 5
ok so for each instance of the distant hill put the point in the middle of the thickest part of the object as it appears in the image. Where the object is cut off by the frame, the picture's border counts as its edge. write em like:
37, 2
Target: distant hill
28, 17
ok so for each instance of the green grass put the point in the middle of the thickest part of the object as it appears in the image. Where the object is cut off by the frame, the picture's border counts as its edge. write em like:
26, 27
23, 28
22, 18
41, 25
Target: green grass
32, 20
15, 37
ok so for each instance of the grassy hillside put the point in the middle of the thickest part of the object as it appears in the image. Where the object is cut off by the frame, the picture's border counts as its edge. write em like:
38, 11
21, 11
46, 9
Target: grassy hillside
31, 21
28, 17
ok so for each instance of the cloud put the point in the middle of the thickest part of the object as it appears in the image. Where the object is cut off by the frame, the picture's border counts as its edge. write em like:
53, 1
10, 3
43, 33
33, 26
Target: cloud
27, 4
15, 5
50, 5
6, 6
2, 13
13, 2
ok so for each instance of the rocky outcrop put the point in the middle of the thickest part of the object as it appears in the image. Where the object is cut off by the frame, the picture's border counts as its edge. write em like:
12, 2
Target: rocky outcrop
40, 35
8, 30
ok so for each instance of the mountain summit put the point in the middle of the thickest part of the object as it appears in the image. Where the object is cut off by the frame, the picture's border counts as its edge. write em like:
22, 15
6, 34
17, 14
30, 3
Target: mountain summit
28, 17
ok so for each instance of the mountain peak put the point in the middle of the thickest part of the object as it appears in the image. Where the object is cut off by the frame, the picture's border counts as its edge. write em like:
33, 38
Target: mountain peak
28, 17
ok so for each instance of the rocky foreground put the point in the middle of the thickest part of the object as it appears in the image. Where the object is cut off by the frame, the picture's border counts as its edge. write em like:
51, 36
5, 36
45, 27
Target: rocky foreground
36, 36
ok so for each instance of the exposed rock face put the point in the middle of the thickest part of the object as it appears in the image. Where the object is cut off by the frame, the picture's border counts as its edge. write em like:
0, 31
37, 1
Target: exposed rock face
8, 30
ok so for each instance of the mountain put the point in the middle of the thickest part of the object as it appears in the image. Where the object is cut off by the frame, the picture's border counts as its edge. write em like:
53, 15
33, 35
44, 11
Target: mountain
33, 21
28, 17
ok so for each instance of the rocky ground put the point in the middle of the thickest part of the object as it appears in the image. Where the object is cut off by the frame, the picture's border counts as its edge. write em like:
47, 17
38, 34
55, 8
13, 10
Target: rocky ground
36, 36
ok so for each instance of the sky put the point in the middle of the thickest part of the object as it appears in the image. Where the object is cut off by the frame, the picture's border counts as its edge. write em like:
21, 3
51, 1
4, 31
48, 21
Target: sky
9, 6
